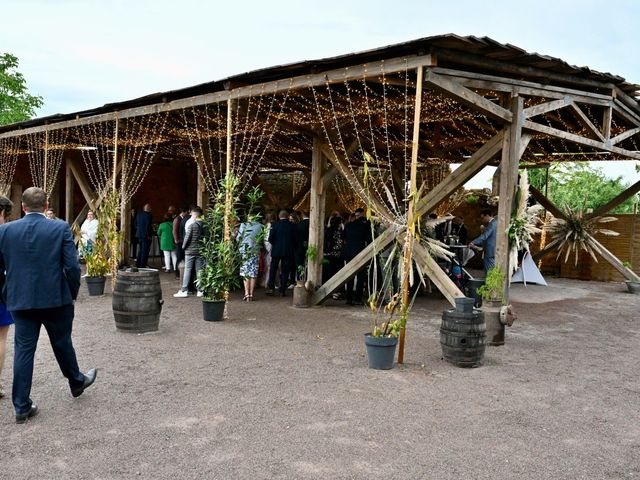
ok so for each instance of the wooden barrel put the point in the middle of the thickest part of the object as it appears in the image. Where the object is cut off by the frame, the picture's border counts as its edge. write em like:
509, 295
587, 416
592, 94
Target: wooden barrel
462, 337
137, 300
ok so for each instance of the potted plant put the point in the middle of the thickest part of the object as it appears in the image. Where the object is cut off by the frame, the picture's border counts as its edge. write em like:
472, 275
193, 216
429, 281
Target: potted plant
304, 288
382, 340
222, 256
97, 264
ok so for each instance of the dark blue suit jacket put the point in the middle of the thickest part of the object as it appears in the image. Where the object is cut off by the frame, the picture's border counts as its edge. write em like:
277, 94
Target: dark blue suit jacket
282, 238
143, 225
38, 263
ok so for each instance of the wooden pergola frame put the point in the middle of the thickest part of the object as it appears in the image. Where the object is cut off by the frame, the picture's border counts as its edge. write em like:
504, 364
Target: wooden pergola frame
517, 127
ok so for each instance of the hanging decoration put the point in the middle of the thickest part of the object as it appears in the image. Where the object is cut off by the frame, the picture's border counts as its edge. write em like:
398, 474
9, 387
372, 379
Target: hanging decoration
9, 153
96, 143
45, 151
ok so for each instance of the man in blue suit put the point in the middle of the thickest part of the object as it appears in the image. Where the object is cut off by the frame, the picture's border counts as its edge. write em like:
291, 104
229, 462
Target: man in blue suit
144, 230
487, 240
40, 279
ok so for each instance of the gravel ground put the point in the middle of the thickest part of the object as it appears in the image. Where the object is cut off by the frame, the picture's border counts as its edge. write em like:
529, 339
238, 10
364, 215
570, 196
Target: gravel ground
278, 392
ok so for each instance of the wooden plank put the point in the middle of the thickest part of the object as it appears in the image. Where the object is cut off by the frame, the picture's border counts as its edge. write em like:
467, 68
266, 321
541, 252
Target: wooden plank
513, 69
617, 200
410, 233
439, 278
626, 114
606, 122
627, 100
508, 182
87, 192
554, 132
627, 273
350, 269
546, 203
547, 107
623, 136
339, 75
68, 192
465, 172
587, 122
316, 212
504, 84
467, 97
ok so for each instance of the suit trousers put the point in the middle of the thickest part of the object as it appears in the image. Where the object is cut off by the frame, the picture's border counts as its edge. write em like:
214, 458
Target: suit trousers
360, 280
144, 245
58, 324
285, 269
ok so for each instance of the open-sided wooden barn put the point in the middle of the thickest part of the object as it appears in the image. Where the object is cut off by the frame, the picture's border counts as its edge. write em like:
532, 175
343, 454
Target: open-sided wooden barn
404, 110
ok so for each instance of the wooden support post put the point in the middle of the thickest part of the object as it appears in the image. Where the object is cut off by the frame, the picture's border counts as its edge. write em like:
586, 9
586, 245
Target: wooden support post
125, 230
316, 214
201, 190
615, 262
545, 202
620, 198
228, 199
435, 273
606, 122
411, 211
508, 181
68, 192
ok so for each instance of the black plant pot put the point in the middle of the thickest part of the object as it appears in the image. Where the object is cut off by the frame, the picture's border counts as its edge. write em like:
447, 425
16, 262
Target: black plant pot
95, 285
213, 310
380, 351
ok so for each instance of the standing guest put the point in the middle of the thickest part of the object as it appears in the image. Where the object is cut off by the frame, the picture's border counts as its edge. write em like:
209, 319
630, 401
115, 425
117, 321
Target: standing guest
51, 214
249, 237
132, 235
266, 262
171, 212
5, 317
487, 240
178, 236
144, 230
282, 238
357, 235
333, 214
88, 233
459, 229
184, 223
41, 279
167, 244
333, 245
193, 261
302, 241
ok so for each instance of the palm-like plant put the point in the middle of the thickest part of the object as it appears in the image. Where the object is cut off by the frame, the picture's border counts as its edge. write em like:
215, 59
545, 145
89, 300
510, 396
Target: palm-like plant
576, 233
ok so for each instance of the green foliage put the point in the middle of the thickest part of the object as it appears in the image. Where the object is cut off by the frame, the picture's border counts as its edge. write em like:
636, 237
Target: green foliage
16, 104
105, 255
493, 288
581, 185
222, 257
472, 199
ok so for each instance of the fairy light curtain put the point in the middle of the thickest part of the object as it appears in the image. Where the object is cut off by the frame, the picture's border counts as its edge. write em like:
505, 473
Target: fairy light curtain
376, 114
138, 144
96, 143
9, 153
205, 128
255, 121
346, 195
45, 151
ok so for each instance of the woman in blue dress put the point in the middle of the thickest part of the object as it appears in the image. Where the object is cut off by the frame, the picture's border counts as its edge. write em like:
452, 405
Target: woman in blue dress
5, 316
250, 236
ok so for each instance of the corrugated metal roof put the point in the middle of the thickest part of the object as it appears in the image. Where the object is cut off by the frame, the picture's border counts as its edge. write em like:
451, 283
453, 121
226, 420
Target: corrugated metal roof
479, 47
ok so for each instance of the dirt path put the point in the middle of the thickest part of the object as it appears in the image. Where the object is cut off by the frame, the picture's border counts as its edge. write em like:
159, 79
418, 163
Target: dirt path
278, 392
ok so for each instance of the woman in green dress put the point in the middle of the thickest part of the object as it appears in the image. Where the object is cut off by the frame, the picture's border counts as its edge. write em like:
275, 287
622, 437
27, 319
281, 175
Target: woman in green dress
167, 245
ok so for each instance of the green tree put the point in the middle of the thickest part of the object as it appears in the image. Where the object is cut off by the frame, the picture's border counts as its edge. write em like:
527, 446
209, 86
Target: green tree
581, 185
16, 103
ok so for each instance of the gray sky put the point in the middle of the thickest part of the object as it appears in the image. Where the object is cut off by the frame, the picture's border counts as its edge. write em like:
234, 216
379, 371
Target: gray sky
80, 54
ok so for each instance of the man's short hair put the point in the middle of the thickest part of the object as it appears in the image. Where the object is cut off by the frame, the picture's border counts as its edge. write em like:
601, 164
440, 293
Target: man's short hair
197, 210
283, 214
184, 209
486, 212
5, 206
34, 199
